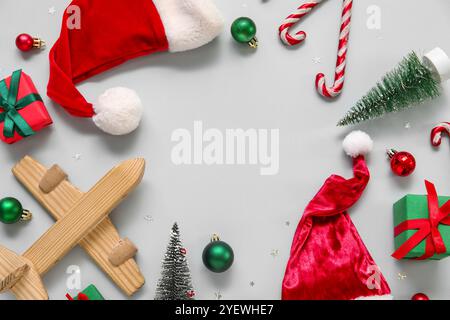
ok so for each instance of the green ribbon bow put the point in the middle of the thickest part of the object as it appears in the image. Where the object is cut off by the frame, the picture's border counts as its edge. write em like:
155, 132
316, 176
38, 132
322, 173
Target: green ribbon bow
8, 102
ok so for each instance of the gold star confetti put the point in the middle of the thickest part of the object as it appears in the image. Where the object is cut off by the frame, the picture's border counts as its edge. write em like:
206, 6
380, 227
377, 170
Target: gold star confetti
252, 283
274, 253
287, 223
401, 276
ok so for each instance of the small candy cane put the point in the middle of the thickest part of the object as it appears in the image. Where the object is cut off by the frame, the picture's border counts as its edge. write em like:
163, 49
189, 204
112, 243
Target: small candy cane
293, 39
436, 133
335, 90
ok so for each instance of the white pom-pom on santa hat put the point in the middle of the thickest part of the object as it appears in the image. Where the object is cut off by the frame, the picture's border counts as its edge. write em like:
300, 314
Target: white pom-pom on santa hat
118, 111
357, 143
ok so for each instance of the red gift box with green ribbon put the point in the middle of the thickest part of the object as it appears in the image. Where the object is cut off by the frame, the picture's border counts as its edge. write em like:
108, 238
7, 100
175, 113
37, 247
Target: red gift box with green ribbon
22, 112
422, 226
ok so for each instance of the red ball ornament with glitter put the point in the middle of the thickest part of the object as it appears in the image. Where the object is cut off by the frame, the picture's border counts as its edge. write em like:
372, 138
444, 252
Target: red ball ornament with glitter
420, 296
402, 163
25, 42
190, 293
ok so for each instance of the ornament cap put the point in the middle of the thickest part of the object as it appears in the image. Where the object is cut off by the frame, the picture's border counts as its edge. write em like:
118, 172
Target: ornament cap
38, 43
215, 237
439, 63
391, 152
26, 215
253, 43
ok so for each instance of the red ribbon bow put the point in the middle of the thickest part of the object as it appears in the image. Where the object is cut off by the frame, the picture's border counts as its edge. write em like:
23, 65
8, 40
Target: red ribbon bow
426, 228
81, 296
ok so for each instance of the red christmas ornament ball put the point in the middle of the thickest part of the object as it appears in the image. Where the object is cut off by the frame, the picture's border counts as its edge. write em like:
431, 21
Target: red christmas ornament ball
420, 296
190, 293
403, 163
24, 42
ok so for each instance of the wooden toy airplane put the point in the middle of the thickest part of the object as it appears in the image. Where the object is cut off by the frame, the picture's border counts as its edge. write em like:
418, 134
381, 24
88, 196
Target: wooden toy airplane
82, 219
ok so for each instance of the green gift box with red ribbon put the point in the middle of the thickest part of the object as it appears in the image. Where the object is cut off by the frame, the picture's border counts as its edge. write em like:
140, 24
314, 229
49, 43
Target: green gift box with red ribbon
90, 293
22, 111
422, 226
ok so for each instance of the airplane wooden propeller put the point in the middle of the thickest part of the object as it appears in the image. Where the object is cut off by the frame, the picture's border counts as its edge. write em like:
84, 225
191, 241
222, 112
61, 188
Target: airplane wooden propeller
82, 218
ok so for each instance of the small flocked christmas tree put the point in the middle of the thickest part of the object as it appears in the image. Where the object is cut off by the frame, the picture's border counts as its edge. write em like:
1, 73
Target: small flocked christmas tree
175, 282
409, 84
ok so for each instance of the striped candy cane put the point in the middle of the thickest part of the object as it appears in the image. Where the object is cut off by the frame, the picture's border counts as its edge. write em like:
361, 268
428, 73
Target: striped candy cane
335, 90
293, 39
436, 133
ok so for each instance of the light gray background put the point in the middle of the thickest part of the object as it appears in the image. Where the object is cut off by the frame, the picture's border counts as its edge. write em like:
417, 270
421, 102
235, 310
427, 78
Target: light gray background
226, 85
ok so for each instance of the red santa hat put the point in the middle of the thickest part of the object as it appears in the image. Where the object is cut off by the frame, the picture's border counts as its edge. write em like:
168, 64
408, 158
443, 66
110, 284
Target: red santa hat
328, 258
110, 32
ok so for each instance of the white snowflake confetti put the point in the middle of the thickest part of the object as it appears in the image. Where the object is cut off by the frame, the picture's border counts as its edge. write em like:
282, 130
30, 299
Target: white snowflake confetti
218, 295
274, 253
51, 10
316, 60
77, 156
407, 125
149, 218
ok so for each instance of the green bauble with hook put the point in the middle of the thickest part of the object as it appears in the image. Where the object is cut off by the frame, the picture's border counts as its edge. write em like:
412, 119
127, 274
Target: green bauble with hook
11, 211
243, 30
218, 256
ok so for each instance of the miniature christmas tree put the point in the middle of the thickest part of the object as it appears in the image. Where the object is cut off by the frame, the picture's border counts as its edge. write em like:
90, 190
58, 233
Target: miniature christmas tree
411, 83
175, 282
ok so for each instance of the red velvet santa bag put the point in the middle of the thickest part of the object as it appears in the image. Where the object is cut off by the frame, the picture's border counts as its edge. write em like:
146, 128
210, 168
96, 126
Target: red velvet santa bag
328, 258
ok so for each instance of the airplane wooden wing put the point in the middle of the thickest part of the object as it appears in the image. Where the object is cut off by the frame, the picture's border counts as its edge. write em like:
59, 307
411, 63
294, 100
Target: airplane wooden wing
100, 242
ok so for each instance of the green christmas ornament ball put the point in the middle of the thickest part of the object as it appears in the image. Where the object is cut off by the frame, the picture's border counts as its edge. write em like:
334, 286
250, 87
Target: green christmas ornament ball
218, 256
10, 210
243, 30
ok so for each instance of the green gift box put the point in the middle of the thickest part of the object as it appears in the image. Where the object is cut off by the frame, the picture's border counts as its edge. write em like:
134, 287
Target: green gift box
413, 207
92, 293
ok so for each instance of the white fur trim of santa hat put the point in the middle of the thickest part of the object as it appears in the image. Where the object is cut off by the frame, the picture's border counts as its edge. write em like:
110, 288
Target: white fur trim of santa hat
357, 143
189, 24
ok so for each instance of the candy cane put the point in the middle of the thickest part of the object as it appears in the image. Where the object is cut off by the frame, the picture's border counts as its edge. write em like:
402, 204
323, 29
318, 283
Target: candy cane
436, 133
335, 90
289, 39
